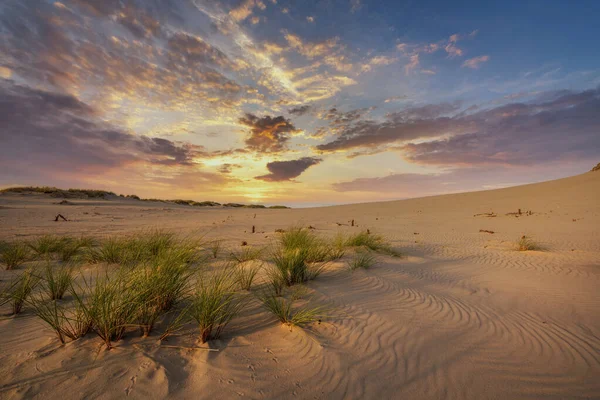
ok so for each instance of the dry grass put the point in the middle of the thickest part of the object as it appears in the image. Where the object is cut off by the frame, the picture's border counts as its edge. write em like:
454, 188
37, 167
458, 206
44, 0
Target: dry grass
285, 312
373, 242
362, 259
526, 243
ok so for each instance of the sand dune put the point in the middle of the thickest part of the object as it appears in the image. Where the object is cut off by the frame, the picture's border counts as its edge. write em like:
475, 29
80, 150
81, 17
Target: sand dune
461, 316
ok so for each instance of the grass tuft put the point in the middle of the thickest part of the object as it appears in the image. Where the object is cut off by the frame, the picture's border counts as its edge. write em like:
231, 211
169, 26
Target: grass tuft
526, 243
363, 259
20, 289
284, 311
13, 255
373, 242
246, 254
57, 280
214, 305
71, 324
244, 275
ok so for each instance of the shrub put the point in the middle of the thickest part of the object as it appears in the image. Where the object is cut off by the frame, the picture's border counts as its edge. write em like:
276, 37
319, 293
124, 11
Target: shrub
284, 311
214, 305
362, 259
14, 254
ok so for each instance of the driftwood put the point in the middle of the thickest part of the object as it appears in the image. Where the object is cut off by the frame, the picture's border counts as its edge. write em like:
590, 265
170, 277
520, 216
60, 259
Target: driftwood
253, 229
59, 216
486, 231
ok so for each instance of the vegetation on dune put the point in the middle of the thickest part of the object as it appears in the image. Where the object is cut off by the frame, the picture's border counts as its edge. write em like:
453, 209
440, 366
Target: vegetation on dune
153, 274
56, 192
283, 309
525, 243
373, 242
214, 304
362, 259
14, 254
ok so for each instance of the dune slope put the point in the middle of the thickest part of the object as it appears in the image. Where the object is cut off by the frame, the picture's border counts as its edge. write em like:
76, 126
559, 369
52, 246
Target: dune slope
461, 315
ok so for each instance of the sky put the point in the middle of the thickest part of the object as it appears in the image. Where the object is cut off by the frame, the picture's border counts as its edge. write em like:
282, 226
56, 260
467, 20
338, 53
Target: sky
300, 103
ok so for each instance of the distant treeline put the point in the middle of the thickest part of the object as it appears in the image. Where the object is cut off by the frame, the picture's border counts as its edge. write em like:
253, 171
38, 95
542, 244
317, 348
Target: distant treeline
103, 194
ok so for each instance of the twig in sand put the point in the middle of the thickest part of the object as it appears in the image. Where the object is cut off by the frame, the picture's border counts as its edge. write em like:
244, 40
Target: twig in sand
59, 216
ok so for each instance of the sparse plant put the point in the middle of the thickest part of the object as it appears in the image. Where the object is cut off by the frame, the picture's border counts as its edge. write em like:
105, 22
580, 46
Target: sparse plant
44, 246
293, 265
275, 280
284, 311
244, 275
57, 280
373, 242
214, 305
215, 247
246, 254
109, 304
66, 324
20, 290
526, 243
13, 255
363, 259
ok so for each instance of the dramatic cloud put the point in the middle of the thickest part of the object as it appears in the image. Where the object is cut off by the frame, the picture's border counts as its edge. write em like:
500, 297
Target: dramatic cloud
288, 170
475, 63
268, 134
45, 133
517, 133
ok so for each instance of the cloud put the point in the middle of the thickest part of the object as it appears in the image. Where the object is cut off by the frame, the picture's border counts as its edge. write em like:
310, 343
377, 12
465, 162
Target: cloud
414, 63
310, 19
267, 134
563, 127
228, 168
475, 62
300, 110
54, 134
288, 170
245, 9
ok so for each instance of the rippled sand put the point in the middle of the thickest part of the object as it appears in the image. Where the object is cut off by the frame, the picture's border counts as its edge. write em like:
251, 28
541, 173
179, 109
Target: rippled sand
461, 316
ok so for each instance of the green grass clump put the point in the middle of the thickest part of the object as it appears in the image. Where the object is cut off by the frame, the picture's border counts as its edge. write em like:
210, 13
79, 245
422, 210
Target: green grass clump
156, 289
20, 289
141, 248
371, 241
362, 259
14, 254
246, 253
45, 246
73, 248
67, 324
109, 304
284, 311
214, 305
293, 266
526, 243
244, 275
57, 280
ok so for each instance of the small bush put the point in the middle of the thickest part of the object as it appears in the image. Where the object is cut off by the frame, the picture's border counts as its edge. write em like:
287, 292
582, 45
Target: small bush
13, 255
527, 244
362, 259
284, 311
214, 305
293, 265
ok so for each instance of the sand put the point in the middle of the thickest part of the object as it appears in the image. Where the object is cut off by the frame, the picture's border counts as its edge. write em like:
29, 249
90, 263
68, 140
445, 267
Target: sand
461, 316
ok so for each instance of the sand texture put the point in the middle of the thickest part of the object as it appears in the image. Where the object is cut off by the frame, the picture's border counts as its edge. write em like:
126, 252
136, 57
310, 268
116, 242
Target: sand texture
462, 315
